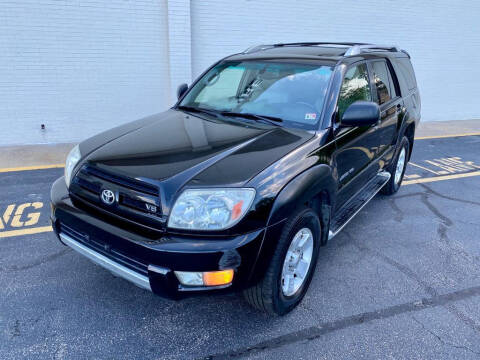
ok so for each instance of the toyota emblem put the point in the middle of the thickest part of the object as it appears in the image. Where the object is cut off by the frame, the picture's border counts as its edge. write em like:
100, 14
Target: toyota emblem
108, 197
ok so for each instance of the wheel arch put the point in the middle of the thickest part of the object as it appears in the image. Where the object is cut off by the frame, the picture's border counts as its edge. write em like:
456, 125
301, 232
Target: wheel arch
410, 134
315, 188
407, 128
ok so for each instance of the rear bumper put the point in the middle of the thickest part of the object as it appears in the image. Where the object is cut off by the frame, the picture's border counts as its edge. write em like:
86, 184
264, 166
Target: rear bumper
150, 261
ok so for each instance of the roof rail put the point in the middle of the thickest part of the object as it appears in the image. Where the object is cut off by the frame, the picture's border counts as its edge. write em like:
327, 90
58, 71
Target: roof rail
320, 43
352, 47
255, 48
357, 49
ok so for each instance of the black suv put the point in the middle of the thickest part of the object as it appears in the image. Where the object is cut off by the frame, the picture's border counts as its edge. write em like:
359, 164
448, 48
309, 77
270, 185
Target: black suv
263, 159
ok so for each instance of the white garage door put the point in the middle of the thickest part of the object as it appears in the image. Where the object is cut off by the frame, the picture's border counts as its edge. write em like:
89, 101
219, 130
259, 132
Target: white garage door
442, 37
79, 67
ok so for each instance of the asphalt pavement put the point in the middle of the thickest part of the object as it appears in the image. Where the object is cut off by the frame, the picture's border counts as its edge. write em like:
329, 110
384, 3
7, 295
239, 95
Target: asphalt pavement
401, 281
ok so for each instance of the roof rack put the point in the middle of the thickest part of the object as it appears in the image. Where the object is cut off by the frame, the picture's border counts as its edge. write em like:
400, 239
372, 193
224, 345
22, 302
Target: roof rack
357, 49
352, 48
256, 48
270, 46
332, 43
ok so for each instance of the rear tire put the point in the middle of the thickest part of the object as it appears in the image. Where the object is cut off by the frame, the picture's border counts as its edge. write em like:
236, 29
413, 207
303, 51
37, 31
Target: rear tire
283, 287
397, 168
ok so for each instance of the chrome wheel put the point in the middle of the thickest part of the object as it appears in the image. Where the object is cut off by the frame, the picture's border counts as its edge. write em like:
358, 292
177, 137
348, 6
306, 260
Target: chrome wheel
400, 165
297, 261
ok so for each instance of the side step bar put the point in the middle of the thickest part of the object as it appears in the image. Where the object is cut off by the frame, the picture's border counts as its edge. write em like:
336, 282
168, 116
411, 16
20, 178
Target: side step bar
353, 206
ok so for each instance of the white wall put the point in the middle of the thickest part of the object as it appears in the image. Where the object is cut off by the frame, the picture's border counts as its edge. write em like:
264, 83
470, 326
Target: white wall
79, 67
83, 66
443, 38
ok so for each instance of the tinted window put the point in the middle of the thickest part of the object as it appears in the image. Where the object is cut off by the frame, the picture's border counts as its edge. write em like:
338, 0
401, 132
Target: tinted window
393, 91
355, 86
406, 71
294, 92
382, 81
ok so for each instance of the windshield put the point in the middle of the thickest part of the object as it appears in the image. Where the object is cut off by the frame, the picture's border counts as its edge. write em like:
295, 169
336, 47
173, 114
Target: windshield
292, 92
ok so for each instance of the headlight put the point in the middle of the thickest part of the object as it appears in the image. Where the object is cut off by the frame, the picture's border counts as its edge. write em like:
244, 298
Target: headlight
210, 209
72, 159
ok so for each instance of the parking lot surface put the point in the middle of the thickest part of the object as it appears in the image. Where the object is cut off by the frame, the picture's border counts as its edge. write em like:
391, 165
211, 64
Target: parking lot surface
402, 281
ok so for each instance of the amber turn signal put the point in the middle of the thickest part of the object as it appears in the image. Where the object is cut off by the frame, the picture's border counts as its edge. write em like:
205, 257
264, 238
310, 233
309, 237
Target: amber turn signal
214, 278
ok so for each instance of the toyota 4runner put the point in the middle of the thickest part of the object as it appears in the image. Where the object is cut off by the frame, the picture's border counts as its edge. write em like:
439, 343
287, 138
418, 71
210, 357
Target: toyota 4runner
262, 160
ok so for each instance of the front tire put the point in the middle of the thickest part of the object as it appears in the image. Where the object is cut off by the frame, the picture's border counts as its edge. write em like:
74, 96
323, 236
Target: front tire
291, 268
397, 170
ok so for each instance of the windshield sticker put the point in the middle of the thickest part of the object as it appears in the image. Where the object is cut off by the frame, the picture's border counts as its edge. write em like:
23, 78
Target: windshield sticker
310, 116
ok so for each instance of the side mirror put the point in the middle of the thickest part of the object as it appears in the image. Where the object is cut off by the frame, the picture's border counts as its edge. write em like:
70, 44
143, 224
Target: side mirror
361, 113
181, 90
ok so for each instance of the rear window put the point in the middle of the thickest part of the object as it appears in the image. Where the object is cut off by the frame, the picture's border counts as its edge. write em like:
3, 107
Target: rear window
406, 71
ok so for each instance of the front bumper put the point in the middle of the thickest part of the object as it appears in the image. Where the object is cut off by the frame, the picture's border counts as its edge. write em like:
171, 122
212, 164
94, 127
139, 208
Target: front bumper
109, 264
150, 262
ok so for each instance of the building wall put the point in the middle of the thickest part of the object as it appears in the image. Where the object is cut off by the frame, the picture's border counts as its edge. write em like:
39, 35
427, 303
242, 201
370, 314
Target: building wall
80, 67
441, 36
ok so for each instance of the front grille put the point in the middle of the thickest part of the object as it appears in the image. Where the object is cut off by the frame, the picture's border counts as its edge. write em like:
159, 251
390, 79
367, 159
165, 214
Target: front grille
136, 201
92, 187
121, 180
105, 249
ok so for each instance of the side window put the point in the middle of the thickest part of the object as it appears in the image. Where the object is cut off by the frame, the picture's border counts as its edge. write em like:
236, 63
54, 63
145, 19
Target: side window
393, 91
406, 70
355, 86
382, 78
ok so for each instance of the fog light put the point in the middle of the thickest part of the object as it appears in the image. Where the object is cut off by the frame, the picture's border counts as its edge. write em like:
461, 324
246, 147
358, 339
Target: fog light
210, 278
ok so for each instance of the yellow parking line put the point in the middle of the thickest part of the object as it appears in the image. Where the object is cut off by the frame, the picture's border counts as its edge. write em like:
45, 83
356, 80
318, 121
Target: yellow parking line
29, 231
446, 136
440, 178
34, 167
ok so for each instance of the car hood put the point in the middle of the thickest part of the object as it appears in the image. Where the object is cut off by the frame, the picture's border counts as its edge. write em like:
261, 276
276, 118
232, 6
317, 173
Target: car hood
190, 148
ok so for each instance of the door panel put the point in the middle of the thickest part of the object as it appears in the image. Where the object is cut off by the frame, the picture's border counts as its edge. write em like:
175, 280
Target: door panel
355, 160
387, 129
391, 105
356, 147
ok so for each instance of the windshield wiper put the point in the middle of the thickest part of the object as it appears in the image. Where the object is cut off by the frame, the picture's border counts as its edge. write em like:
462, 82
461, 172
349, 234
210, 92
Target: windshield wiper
266, 118
199, 110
